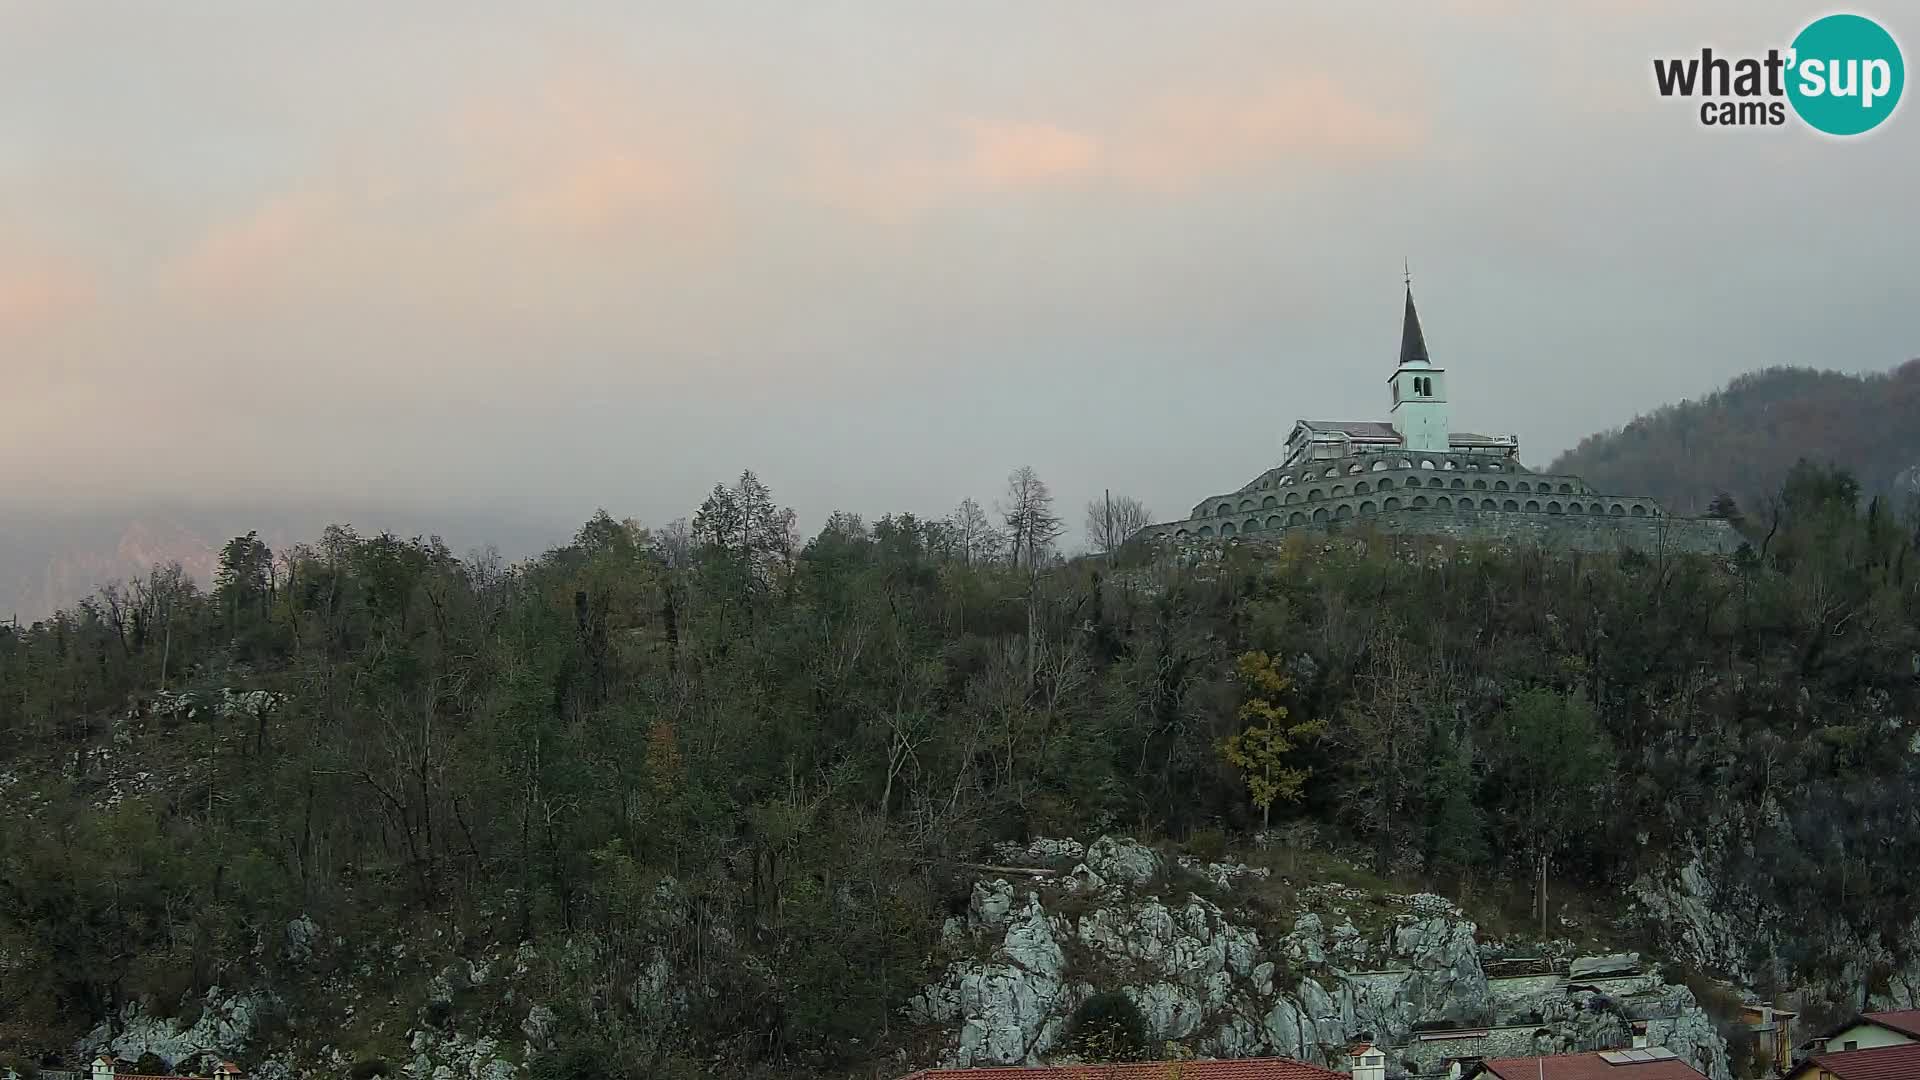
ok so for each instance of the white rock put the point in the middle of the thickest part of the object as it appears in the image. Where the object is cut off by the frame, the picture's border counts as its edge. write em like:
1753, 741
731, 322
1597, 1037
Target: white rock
540, 1025
1119, 859
301, 934
991, 902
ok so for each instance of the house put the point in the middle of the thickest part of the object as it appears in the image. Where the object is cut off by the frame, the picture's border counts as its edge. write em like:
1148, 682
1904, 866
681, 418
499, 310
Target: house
1897, 1061
1653, 1063
1773, 1027
1868, 1030
1237, 1069
109, 1067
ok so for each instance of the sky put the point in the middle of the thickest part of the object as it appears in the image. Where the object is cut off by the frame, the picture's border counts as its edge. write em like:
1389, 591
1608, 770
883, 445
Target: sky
571, 255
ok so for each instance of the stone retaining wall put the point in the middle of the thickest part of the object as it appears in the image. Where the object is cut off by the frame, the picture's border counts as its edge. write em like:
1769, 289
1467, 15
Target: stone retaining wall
1565, 532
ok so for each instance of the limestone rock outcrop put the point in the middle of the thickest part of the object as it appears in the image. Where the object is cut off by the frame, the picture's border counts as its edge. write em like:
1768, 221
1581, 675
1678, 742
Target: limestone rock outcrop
1207, 977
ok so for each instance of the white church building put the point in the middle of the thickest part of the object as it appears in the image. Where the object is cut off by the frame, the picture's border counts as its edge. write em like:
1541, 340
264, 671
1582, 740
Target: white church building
1412, 474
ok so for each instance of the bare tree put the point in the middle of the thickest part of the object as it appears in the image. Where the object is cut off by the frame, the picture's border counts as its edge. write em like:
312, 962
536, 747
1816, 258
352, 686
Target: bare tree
974, 537
1027, 509
1113, 519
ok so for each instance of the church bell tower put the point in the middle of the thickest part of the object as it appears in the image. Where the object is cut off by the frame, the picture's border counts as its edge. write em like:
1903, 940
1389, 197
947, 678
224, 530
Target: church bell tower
1419, 390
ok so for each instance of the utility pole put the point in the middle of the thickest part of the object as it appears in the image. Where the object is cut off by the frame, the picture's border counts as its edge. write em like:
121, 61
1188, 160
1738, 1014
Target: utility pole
1106, 538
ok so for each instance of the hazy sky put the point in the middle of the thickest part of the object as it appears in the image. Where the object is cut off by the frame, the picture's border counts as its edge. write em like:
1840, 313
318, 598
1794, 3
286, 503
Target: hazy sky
562, 255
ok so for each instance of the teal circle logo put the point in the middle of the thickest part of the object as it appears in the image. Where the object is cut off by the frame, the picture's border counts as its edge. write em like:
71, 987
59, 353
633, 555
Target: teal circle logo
1845, 74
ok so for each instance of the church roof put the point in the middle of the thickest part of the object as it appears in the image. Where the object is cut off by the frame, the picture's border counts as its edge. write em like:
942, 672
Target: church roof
1413, 344
1359, 429
1375, 429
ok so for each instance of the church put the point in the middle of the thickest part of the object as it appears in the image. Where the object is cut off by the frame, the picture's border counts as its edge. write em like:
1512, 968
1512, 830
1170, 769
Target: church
1412, 474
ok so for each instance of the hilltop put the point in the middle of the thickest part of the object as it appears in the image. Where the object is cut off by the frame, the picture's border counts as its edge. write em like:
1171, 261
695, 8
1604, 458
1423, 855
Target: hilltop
1743, 438
707, 803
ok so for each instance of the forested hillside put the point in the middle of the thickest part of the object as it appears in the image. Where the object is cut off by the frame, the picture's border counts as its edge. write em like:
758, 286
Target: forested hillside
52, 555
1743, 439
803, 740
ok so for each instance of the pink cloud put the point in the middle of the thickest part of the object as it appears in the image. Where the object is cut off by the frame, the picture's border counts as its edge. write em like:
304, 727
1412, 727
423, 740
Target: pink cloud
1020, 155
242, 257
1307, 121
601, 189
38, 297
1310, 123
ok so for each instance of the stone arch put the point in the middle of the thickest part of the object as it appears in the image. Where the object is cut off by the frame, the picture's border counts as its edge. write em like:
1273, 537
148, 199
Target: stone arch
1479, 484
1338, 490
1320, 514
1206, 532
1269, 503
1360, 488
1182, 535
1291, 497
1566, 489
1450, 465
1226, 528
1426, 463
1617, 510
1273, 521
1252, 525
1296, 518
1332, 471
1509, 505
1343, 512
1441, 503
1533, 506
1356, 467
1494, 467
1224, 509
1499, 485
1315, 495
1459, 483
1638, 510
1246, 504
1368, 507
1489, 504
1554, 507
1379, 465
1392, 503
1403, 463
1385, 484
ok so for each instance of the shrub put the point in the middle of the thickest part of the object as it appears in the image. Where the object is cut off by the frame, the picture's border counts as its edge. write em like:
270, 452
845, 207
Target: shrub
151, 1064
1207, 845
368, 1069
1108, 1026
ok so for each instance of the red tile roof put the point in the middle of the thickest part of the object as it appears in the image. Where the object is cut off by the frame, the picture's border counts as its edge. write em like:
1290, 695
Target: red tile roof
1240, 1069
1880, 1063
1589, 1067
1905, 1021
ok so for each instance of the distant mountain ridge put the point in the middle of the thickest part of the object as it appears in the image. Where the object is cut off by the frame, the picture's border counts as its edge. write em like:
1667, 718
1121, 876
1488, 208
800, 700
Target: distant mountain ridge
1744, 438
52, 558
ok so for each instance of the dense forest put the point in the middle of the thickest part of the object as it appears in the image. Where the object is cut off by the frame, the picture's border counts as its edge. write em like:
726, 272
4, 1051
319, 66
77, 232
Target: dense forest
1742, 440
797, 741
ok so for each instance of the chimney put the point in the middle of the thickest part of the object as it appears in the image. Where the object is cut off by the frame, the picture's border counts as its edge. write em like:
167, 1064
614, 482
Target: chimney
1367, 1062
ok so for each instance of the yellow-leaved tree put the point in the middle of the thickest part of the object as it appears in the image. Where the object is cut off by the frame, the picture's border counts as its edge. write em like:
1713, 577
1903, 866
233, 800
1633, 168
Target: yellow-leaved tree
1261, 748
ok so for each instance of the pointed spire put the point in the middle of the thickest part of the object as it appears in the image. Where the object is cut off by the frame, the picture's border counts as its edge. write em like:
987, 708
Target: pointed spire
1413, 344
